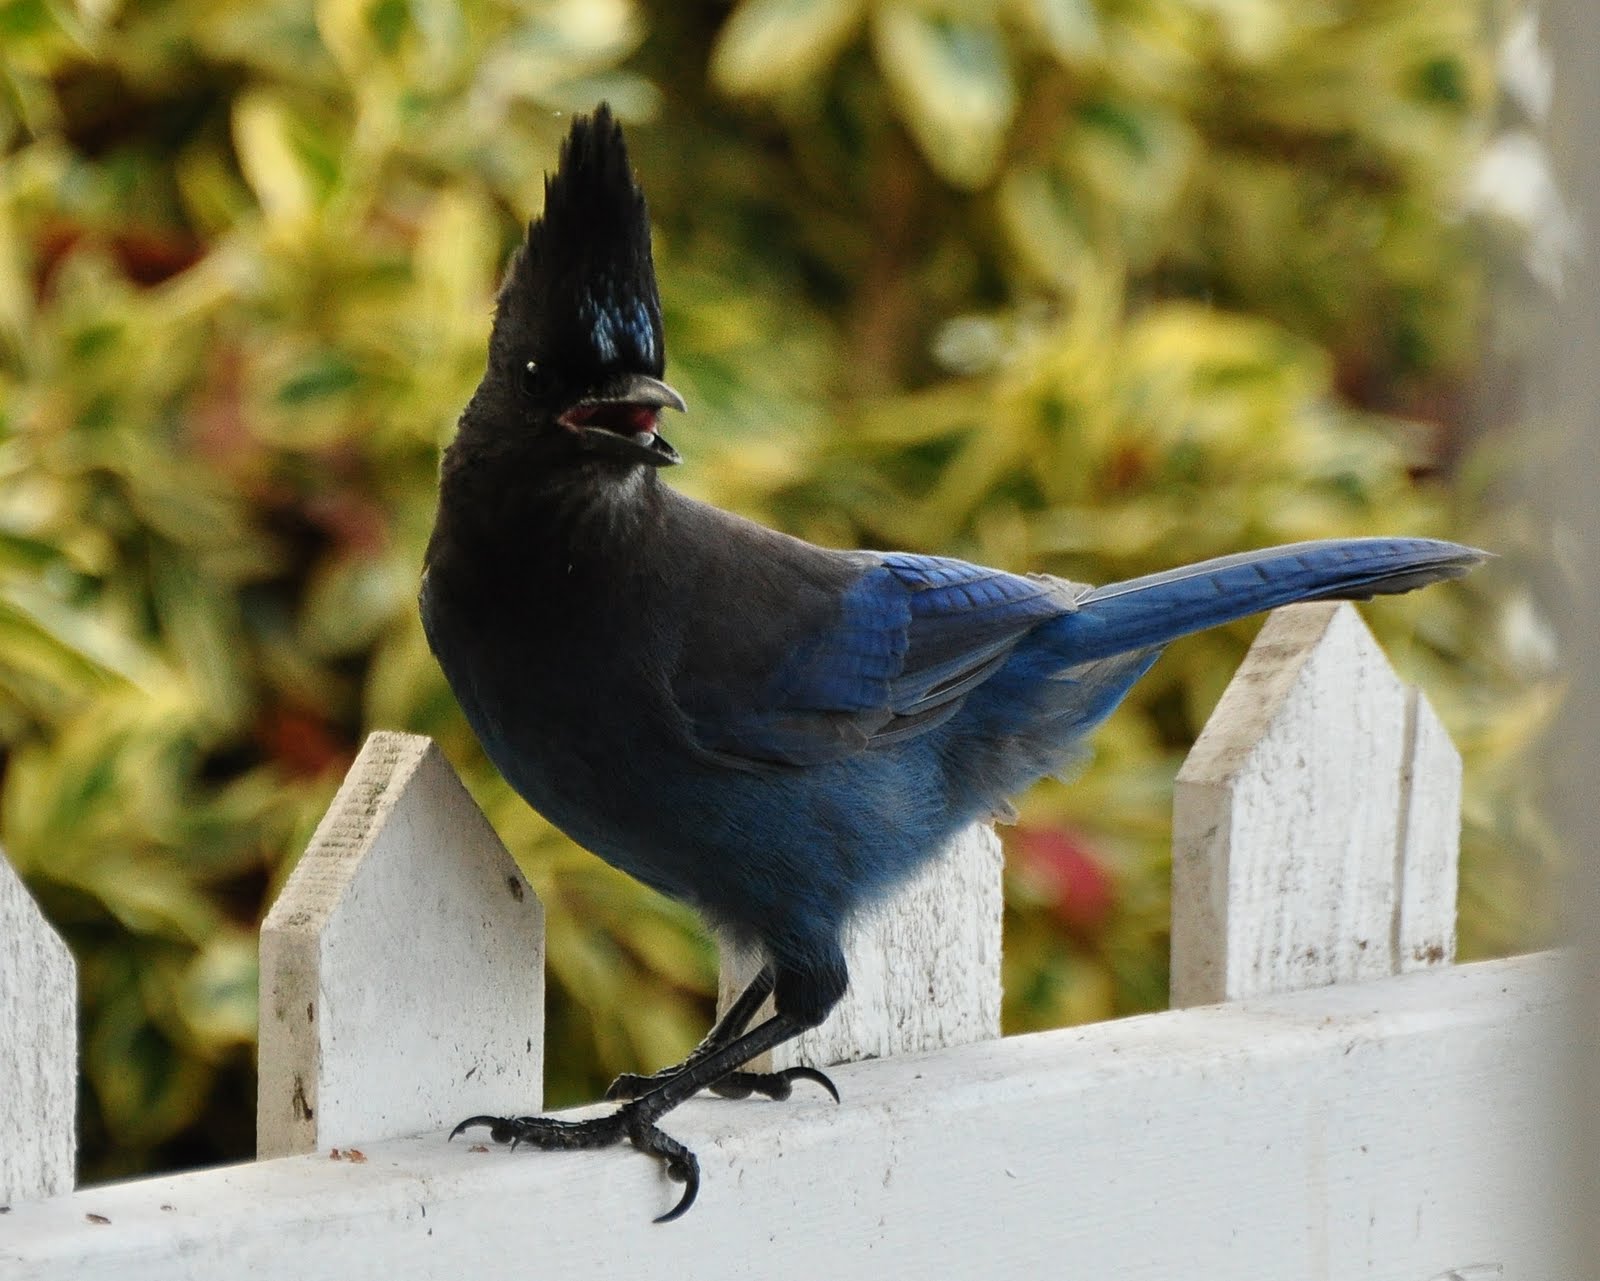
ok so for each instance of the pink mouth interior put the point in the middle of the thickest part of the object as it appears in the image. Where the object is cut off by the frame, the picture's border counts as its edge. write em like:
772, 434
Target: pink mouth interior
622, 418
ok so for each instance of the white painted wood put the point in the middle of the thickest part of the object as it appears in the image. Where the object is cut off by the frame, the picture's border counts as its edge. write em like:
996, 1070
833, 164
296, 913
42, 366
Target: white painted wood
1394, 1131
1316, 821
402, 967
924, 967
1429, 852
38, 1049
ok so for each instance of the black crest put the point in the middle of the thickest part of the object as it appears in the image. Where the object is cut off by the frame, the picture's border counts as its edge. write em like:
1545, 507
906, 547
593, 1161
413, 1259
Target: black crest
580, 296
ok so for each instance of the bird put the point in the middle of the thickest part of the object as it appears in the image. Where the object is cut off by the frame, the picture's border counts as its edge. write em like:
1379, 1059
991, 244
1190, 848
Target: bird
773, 732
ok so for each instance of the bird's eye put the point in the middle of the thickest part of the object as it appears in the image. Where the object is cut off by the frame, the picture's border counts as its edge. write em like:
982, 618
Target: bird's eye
532, 379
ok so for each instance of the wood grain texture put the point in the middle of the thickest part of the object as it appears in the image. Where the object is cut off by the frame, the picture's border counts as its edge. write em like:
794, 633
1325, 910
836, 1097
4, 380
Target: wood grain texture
38, 1049
1316, 822
402, 967
1391, 1131
924, 967
1429, 851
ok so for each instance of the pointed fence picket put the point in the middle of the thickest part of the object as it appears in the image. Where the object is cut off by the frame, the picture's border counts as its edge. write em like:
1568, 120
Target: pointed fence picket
38, 1050
1316, 823
402, 967
1313, 1125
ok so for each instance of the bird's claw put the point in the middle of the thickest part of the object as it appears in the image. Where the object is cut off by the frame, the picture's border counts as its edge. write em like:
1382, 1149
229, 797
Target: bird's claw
736, 1085
552, 1134
773, 1085
712, 1065
681, 1165
492, 1123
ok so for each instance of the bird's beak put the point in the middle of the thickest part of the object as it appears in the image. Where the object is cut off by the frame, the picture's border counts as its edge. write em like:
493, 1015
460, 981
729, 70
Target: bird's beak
620, 415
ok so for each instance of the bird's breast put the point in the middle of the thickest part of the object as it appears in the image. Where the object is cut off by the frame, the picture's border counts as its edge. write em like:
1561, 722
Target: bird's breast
564, 701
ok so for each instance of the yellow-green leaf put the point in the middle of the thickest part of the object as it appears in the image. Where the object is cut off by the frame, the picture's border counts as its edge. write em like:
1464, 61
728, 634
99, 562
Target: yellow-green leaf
1069, 29
271, 163
952, 85
768, 47
1044, 223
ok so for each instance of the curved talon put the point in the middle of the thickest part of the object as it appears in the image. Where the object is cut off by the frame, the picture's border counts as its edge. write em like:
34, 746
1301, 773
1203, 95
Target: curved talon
554, 1134
736, 1085
773, 1085
490, 1121
692, 1179
681, 1165
816, 1078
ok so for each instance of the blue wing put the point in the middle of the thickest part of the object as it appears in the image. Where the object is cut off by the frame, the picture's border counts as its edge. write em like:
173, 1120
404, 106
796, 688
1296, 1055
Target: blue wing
905, 644
908, 641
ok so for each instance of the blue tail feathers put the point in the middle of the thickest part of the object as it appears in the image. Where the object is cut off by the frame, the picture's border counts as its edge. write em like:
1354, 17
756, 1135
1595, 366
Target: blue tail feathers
1158, 608
1069, 673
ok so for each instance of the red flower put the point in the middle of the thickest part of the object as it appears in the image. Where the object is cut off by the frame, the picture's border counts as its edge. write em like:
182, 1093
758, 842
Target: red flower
1062, 863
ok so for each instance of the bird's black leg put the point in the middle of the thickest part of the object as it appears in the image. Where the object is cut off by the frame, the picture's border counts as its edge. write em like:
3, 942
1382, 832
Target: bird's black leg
734, 1020
803, 994
635, 1120
735, 1085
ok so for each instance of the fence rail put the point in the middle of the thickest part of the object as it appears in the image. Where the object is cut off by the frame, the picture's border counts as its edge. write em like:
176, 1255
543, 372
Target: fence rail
1317, 1125
1383, 1130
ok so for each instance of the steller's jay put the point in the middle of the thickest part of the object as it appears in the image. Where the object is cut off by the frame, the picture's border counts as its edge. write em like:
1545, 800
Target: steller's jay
775, 733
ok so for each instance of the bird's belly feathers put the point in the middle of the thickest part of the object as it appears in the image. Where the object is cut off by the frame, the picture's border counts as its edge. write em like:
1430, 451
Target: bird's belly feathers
767, 853
831, 839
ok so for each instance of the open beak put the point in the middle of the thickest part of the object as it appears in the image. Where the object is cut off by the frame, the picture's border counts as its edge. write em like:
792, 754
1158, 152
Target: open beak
620, 417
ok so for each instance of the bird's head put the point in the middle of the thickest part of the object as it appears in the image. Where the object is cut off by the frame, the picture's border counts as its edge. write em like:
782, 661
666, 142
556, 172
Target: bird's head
577, 345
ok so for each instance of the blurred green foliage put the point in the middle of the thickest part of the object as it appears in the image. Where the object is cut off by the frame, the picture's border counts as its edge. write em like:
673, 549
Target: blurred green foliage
1085, 286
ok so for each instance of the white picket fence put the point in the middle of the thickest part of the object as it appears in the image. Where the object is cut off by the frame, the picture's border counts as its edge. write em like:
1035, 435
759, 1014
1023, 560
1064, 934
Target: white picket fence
1355, 1107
